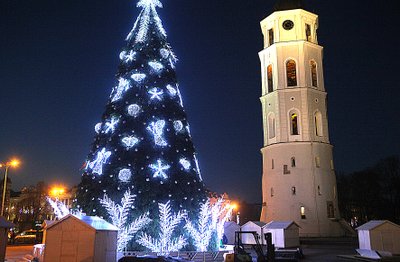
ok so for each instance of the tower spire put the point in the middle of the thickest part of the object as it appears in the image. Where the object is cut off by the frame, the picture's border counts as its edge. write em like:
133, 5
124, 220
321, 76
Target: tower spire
282, 5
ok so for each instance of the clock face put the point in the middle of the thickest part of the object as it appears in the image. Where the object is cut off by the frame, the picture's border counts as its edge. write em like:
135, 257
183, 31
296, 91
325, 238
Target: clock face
288, 24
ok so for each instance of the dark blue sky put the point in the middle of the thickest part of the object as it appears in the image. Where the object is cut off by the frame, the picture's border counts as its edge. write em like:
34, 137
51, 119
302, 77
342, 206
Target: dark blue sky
58, 60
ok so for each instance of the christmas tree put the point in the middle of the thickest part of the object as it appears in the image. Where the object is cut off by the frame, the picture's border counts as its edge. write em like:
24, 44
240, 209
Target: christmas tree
143, 143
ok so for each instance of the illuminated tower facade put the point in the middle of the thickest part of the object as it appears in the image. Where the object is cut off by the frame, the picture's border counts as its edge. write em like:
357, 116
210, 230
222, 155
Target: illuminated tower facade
299, 180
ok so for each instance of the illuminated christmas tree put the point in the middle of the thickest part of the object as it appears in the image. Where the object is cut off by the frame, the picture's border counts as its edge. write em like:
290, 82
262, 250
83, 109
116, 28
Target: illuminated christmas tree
143, 143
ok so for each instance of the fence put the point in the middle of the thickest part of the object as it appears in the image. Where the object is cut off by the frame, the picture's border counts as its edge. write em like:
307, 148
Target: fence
217, 256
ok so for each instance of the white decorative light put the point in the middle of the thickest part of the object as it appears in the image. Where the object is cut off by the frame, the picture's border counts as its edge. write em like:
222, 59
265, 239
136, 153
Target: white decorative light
110, 126
130, 141
159, 169
122, 55
156, 93
97, 164
125, 175
180, 96
197, 167
119, 217
130, 57
134, 110
138, 77
122, 87
60, 209
202, 234
143, 21
164, 53
185, 163
165, 243
157, 66
178, 125
171, 90
157, 129
97, 127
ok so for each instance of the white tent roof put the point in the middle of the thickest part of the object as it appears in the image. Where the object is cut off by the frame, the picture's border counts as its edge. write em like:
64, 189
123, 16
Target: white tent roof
280, 224
374, 224
258, 223
94, 222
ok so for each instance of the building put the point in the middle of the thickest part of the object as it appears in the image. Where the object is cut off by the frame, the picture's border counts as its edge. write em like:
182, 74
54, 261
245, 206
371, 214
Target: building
299, 182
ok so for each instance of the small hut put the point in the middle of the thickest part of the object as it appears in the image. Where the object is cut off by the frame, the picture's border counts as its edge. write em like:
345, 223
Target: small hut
257, 226
80, 238
285, 234
230, 228
379, 235
4, 227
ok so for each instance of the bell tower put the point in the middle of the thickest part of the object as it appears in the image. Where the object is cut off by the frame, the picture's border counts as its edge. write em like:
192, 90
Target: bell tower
299, 180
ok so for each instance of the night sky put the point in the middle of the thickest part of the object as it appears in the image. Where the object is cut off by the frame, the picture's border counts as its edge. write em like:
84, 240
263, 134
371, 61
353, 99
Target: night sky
58, 60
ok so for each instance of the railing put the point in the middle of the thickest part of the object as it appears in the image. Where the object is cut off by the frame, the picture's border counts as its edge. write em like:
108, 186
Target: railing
217, 256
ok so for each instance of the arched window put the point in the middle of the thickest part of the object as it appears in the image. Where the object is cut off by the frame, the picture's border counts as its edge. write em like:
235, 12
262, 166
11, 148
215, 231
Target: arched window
270, 79
272, 191
318, 123
314, 77
294, 124
291, 73
293, 161
271, 126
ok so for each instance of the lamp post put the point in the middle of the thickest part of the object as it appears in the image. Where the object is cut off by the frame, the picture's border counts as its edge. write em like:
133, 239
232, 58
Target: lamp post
12, 163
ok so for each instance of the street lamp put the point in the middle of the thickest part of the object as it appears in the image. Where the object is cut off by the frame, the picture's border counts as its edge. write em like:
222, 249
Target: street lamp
12, 163
56, 191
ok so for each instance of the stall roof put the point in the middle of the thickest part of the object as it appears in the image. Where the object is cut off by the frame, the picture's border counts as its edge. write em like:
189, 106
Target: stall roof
258, 223
94, 222
374, 224
280, 224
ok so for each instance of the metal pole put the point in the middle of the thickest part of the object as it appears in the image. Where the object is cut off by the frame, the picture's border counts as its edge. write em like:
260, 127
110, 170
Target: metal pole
4, 190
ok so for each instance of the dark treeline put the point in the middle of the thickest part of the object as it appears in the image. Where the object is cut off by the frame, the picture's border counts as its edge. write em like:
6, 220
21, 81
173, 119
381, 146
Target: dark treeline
373, 193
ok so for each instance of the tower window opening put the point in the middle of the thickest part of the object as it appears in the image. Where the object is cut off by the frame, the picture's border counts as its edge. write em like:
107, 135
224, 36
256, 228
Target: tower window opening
291, 73
272, 191
293, 162
303, 212
332, 165
286, 170
330, 209
293, 190
272, 164
314, 76
319, 191
317, 161
294, 130
270, 79
271, 126
318, 123
271, 36
308, 32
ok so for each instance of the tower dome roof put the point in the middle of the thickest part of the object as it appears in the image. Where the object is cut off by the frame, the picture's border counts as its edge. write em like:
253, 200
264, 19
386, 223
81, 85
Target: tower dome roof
282, 5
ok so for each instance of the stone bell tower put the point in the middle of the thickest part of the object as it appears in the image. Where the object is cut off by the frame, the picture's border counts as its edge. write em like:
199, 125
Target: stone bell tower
299, 180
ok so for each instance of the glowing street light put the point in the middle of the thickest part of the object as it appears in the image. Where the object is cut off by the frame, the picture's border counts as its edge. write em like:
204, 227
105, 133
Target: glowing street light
56, 191
12, 163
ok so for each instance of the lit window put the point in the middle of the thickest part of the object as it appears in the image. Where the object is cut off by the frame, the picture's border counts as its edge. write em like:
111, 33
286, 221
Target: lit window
294, 128
308, 32
291, 73
314, 77
303, 212
271, 36
293, 161
293, 190
270, 79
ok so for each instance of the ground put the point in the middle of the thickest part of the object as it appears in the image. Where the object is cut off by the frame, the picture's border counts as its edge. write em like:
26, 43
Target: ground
321, 250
